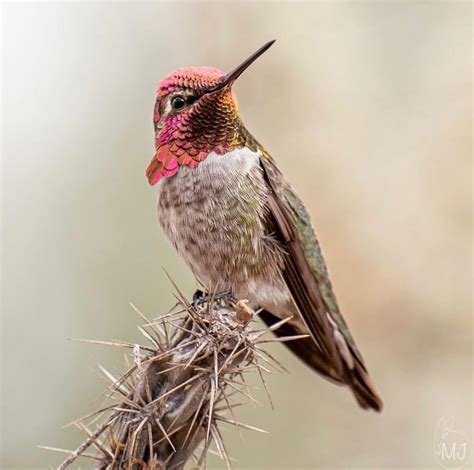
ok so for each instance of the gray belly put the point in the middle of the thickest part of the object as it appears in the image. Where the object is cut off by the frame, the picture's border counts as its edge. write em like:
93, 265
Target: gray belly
215, 217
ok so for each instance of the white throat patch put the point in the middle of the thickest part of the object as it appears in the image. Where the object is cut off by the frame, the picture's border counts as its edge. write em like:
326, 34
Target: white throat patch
241, 160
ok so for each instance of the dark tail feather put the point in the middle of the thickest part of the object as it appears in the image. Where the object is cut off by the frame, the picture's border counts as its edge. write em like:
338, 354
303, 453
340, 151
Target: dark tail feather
363, 388
357, 379
304, 348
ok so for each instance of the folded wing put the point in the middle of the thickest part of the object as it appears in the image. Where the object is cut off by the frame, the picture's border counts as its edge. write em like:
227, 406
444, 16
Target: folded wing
306, 276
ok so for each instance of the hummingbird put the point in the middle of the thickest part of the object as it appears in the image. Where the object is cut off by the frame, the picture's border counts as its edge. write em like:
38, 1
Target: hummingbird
239, 225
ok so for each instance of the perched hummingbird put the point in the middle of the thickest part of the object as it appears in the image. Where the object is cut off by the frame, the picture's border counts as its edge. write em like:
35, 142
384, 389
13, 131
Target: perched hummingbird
239, 225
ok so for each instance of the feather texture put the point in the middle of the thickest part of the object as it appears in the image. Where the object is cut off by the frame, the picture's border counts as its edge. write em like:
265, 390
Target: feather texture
307, 279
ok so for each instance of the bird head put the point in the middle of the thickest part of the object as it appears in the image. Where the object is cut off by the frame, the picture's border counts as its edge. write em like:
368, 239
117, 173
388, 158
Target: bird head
196, 113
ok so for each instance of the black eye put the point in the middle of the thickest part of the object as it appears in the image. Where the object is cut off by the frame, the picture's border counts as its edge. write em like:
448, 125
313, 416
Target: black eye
178, 102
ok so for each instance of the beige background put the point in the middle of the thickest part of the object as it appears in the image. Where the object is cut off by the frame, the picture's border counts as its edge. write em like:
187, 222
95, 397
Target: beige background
367, 109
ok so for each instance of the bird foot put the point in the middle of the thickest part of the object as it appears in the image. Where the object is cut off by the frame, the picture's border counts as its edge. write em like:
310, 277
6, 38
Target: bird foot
200, 297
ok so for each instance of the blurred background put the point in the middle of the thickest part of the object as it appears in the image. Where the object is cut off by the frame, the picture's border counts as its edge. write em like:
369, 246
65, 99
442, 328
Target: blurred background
367, 109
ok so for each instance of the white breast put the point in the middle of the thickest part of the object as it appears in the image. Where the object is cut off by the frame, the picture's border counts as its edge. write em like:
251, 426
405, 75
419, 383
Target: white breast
238, 161
214, 214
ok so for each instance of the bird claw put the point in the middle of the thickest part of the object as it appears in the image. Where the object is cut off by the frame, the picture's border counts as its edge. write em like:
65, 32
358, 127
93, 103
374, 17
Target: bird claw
200, 297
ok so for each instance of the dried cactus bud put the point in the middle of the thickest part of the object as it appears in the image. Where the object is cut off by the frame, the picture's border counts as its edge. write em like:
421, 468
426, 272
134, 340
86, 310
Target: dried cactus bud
243, 313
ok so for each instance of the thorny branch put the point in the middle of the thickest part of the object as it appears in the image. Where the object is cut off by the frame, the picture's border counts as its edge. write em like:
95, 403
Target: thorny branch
169, 403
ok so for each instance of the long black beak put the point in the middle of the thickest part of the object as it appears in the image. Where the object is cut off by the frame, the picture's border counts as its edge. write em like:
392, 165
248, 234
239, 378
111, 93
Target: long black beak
232, 76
